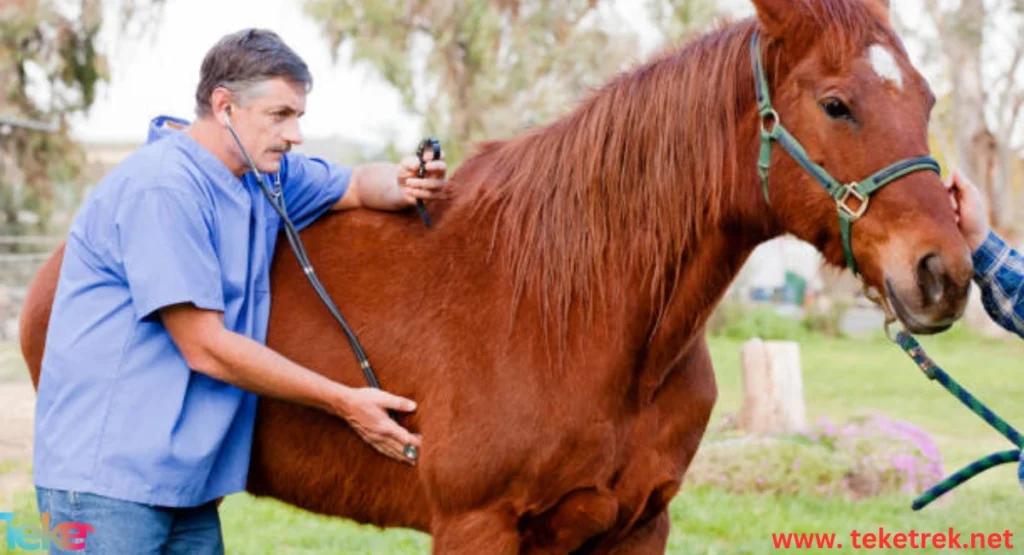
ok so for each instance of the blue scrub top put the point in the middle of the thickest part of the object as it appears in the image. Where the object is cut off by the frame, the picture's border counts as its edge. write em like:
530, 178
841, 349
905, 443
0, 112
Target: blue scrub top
119, 413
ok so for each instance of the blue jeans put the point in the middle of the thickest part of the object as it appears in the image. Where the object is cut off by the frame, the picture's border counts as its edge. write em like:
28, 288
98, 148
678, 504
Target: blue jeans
126, 527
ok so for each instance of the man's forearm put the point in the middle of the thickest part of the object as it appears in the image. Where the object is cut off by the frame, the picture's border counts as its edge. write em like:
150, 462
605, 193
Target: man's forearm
249, 365
999, 271
378, 186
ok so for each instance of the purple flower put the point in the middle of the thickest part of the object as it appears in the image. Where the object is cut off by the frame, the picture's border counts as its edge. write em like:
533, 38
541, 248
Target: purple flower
887, 453
828, 428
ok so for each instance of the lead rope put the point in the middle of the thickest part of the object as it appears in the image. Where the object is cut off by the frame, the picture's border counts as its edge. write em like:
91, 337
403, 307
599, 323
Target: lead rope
933, 371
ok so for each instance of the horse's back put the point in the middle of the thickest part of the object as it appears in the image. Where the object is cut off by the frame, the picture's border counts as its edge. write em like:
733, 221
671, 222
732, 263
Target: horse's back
35, 313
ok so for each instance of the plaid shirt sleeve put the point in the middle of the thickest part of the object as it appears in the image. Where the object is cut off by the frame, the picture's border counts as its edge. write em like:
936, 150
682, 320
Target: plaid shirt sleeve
999, 271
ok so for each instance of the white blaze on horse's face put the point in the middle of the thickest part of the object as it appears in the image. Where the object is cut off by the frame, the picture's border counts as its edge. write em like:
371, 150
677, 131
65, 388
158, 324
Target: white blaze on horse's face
885, 65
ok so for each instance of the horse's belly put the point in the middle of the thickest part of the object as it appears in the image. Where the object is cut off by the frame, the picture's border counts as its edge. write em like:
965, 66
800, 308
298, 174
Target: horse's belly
316, 462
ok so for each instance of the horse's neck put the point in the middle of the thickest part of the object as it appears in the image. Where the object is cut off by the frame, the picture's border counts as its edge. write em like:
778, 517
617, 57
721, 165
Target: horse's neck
699, 276
706, 276
706, 271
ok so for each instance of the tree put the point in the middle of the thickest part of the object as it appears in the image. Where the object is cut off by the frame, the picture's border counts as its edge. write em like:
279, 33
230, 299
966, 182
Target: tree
979, 46
680, 20
50, 67
480, 69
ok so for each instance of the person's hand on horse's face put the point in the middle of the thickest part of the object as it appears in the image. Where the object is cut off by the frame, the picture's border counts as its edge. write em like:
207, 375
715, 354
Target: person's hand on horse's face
430, 186
366, 408
969, 206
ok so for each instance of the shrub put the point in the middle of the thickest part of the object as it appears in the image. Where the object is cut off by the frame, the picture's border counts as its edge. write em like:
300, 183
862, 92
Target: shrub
868, 456
738, 321
826, 321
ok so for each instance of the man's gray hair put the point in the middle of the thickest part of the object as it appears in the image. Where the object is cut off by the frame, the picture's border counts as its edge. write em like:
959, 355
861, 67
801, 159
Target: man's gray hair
242, 61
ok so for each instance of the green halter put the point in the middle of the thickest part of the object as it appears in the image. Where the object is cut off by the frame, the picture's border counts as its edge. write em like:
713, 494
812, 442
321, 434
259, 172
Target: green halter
841, 193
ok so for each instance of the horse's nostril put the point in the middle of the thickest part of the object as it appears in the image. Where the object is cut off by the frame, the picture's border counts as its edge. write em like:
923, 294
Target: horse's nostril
931, 278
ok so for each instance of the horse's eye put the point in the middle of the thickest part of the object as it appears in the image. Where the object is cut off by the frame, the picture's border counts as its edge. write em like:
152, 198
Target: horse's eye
836, 109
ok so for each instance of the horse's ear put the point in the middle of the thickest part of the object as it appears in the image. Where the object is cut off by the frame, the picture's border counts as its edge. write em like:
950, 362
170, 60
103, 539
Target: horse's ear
778, 17
882, 6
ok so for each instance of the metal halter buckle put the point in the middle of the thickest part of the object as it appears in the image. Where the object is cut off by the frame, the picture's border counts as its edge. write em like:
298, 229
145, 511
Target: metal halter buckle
850, 190
773, 117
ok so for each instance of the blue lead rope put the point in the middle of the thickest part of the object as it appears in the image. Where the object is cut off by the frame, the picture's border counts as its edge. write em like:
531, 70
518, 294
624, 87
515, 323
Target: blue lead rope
934, 372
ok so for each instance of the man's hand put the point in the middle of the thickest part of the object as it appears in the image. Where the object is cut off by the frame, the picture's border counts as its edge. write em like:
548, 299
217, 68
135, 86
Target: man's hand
366, 411
430, 186
389, 187
969, 206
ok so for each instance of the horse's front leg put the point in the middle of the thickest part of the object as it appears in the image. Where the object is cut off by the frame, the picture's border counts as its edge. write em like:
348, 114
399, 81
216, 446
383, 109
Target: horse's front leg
490, 530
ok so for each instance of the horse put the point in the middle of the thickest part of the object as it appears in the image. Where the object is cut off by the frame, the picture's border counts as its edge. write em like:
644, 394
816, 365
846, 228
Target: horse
551, 323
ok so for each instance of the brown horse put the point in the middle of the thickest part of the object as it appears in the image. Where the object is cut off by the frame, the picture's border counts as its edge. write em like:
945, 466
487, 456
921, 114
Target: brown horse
551, 324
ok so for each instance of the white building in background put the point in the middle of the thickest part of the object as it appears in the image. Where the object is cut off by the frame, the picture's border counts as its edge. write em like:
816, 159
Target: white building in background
777, 264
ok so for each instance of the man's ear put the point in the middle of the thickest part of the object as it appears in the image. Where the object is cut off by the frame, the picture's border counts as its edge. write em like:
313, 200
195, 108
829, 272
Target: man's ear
220, 104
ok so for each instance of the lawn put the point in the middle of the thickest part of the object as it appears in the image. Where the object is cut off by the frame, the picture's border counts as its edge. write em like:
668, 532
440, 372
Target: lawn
841, 378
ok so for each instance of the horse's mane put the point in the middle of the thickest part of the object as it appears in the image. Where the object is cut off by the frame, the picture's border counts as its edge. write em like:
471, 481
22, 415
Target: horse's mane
631, 179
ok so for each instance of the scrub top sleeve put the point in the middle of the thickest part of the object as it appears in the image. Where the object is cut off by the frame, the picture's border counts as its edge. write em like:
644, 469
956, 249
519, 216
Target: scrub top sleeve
167, 251
311, 187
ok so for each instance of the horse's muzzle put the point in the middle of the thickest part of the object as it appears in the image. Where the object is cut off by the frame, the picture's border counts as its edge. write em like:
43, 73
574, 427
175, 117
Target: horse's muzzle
936, 301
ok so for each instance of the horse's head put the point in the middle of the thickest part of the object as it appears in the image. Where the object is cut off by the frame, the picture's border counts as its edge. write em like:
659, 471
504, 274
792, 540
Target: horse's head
838, 81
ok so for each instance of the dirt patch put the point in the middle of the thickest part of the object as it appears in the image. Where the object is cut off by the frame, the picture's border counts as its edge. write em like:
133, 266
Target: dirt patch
17, 408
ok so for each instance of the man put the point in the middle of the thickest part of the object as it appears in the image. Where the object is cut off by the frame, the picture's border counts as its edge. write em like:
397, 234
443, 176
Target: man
998, 269
155, 351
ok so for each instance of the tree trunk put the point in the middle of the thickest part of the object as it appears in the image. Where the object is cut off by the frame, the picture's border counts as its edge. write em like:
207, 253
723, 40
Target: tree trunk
773, 398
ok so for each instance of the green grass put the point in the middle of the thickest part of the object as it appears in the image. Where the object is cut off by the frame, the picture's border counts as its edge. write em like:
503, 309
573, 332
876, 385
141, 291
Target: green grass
261, 526
706, 521
841, 378
846, 377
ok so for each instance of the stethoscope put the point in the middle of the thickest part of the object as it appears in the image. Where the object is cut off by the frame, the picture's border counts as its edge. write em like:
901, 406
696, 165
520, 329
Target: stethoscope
276, 199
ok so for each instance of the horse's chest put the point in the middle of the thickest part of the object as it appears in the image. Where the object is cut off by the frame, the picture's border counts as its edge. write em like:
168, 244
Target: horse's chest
659, 445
